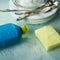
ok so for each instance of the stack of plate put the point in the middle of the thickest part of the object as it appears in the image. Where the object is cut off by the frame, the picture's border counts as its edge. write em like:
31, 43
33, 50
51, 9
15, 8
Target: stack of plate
41, 18
27, 5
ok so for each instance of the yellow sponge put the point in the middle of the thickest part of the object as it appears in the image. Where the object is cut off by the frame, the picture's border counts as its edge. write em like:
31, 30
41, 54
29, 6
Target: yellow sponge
48, 37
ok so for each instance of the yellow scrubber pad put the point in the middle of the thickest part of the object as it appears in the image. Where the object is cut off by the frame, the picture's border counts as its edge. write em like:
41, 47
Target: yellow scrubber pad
48, 37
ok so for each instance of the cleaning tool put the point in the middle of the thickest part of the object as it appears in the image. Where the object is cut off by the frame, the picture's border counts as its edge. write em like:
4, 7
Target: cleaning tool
48, 36
11, 34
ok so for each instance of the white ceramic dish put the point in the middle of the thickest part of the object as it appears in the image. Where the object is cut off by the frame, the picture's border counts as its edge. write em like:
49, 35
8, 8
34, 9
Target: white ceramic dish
36, 19
41, 18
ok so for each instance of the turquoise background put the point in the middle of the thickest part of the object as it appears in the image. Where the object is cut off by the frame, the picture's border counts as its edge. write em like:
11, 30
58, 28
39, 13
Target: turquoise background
30, 47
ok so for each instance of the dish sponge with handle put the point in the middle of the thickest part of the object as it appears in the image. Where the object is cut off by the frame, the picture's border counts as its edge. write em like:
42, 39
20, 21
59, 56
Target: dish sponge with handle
48, 37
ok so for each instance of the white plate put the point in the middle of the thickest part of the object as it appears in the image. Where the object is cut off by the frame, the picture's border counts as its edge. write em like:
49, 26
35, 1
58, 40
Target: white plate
36, 19
28, 3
